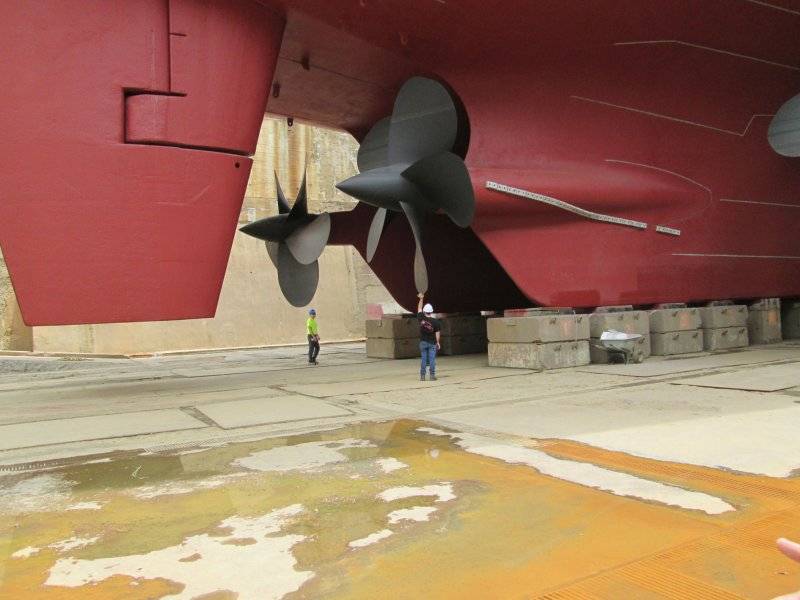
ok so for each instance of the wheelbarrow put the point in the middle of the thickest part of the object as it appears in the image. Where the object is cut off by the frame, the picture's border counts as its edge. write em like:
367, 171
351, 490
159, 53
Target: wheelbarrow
620, 346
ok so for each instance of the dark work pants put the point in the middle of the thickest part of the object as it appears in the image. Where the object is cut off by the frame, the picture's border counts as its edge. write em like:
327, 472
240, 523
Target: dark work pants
313, 348
427, 352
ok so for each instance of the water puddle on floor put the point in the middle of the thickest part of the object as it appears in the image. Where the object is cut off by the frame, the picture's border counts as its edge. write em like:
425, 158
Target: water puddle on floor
400, 509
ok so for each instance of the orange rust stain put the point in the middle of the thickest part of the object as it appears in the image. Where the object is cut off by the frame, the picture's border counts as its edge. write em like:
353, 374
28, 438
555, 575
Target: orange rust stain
737, 561
511, 532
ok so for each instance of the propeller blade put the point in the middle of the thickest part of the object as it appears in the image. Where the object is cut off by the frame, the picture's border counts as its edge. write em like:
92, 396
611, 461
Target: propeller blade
373, 152
784, 129
298, 282
415, 220
300, 208
375, 231
272, 252
424, 121
271, 228
283, 205
420, 272
445, 183
308, 241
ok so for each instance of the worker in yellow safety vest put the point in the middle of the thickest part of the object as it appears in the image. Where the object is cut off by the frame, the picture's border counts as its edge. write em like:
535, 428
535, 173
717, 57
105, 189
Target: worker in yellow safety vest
312, 329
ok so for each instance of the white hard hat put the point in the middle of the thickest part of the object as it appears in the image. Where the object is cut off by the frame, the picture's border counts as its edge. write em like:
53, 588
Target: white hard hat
427, 308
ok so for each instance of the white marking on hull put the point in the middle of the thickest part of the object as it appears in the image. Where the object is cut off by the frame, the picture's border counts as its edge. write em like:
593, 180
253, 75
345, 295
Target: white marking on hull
674, 119
565, 206
735, 255
774, 7
782, 204
708, 49
668, 172
668, 230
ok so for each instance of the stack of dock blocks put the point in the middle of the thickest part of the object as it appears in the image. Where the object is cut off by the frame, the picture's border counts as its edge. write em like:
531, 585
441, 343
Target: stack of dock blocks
724, 327
463, 334
393, 336
397, 336
626, 321
675, 331
534, 339
790, 319
764, 321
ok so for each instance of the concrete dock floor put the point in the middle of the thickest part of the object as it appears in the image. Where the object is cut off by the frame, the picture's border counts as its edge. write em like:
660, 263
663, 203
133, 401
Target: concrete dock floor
250, 474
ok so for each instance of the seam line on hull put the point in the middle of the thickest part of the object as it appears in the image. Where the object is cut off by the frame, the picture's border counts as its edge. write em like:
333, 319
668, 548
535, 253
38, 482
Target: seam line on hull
758, 202
667, 171
230, 151
674, 119
735, 255
708, 49
774, 7
332, 72
565, 206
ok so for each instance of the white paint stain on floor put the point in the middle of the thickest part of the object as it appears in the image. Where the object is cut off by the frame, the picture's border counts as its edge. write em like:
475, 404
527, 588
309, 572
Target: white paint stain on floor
35, 494
73, 543
372, 538
307, 456
61, 546
85, 506
26, 552
388, 465
615, 482
442, 491
204, 564
173, 488
417, 514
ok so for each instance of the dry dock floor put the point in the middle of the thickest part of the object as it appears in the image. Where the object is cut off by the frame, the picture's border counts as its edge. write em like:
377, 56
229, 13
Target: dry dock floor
249, 474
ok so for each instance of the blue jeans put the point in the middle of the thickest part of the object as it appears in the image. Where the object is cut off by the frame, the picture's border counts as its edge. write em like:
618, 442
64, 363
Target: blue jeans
427, 352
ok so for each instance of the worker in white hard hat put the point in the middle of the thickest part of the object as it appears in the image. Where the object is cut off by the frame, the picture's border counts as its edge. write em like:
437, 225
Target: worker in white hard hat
429, 338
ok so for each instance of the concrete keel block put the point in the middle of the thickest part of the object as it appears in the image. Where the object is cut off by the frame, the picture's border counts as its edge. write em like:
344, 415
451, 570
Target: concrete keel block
674, 319
790, 320
463, 344
393, 348
463, 325
538, 329
764, 326
725, 338
676, 342
393, 328
766, 304
629, 321
599, 356
539, 356
718, 317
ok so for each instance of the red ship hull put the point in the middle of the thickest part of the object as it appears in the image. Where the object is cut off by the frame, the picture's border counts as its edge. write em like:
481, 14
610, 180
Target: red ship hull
127, 128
